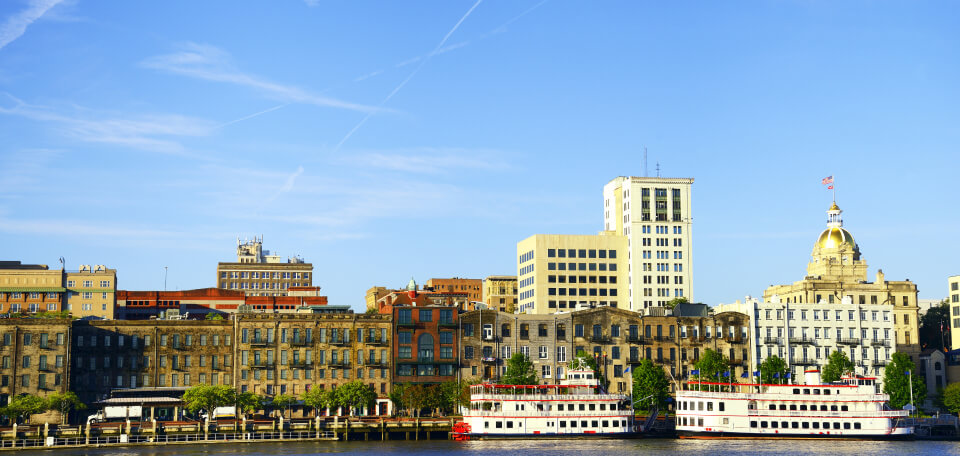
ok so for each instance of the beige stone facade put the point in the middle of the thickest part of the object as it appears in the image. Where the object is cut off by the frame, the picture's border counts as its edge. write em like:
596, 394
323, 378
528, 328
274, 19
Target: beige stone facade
472, 287
559, 272
500, 293
655, 215
91, 292
258, 273
34, 357
837, 271
30, 288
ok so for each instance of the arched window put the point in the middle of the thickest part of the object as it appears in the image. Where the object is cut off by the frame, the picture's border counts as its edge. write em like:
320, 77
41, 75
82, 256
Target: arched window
425, 347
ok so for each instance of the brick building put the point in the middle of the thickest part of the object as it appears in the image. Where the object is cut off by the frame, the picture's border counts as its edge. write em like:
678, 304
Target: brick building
426, 348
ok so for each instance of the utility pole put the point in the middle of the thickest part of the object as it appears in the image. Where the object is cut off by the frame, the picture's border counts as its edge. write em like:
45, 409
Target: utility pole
912, 407
164, 278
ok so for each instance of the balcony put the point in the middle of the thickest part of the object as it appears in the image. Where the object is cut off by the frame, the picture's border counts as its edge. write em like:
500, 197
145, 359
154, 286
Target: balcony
256, 343
880, 343
378, 341
338, 363
636, 339
447, 324
663, 338
405, 323
301, 342
878, 363
803, 362
600, 339
735, 361
801, 340
46, 347
491, 338
377, 363
848, 341
340, 342
489, 359
262, 364
773, 340
634, 360
737, 341
301, 364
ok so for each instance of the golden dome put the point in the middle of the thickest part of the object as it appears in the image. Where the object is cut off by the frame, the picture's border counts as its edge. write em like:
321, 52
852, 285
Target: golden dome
834, 207
833, 237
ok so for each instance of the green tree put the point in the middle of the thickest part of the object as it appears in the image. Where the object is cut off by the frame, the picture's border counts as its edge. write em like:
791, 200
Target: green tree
712, 365
770, 366
247, 402
416, 397
519, 371
951, 397
214, 316
935, 327
208, 397
355, 395
397, 396
896, 382
837, 366
283, 402
314, 398
24, 406
671, 304
650, 385
583, 360
64, 403
333, 399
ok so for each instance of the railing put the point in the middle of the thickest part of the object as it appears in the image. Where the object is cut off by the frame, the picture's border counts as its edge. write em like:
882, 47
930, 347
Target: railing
300, 364
803, 361
801, 340
488, 359
301, 342
737, 341
878, 363
258, 342
491, 338
779, 396
773, 340
734, 361
848, 341
662, 338
485, 397
880, 343
447, 324
600, 339
626, 413
338, 362
377, 363
635, 359
262, 364
405, 323
635, 339
819, 413
340, 342
377, 341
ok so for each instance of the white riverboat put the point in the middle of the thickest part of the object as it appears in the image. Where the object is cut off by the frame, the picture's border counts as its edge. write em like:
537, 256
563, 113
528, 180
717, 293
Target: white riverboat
850, 408
574, 408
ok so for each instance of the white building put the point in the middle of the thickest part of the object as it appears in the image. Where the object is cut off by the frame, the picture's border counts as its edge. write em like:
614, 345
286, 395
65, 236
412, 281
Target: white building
804, 334
655, 215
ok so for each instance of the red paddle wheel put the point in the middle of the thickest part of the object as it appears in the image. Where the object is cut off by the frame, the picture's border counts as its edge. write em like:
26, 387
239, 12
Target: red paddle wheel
461, 431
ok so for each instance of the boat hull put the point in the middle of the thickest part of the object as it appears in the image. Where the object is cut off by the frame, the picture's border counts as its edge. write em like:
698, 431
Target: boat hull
798, 436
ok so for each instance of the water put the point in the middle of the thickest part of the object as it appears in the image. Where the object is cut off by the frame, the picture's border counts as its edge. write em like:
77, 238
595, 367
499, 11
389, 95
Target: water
536, 447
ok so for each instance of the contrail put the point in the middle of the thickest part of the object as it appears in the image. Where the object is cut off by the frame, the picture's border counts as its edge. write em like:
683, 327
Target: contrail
254, 115
408, 78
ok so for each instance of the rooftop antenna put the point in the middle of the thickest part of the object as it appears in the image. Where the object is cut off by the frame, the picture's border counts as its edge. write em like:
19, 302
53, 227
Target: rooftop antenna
645, 171
658, 169
164, 278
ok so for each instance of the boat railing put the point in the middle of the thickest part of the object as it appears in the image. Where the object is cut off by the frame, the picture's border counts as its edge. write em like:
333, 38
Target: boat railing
552, 413
779, 396
819, 413
547, 397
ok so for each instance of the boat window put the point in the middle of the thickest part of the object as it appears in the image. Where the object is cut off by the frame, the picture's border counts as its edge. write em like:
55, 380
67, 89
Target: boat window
563, 424
583, 423
603, 406
796, 391
613, 406
559, 407
856, 425
803, 406
826, 392
763, 424
784, 424
593, 407
823, 408
816, 425
753, 424
700, 422
826, 425
773, 406
499, 424
846, 425
783, 406
805, 425
795, 425
573, 423
582, 407
836, 425
700, 406
721, 406
793, 406
509, 424
606, 423
774, 424
843, 408
806, 391
486, 424
709, 406
833, 408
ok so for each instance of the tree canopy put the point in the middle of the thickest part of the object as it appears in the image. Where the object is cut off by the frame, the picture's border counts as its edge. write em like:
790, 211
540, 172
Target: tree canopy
247, 402
24, 406
770, 366
950, 397
896, 382
63, 403
671, 304
935, 327
355, 395
837, 366
519, 371
712, 365
208, 397
650, 385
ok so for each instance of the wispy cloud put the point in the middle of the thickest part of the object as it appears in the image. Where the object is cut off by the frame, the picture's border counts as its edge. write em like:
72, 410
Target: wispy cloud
210, 63
16, 25
429, 160
79, 228
409, 77
153, 132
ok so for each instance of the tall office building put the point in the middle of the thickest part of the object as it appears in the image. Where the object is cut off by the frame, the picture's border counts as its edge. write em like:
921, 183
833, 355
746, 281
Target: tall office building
654, 214
953, 297
258, 273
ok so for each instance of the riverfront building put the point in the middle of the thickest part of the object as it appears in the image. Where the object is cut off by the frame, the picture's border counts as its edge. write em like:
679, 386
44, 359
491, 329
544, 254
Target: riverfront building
34, 357
655, 215
30, 288
258, 273
91, 292
953, 297
500, 293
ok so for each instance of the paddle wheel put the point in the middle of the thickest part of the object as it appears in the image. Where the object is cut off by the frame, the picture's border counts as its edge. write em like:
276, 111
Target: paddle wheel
461, 431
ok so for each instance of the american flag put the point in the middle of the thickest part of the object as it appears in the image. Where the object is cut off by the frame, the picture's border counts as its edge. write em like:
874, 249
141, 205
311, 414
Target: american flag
827, 180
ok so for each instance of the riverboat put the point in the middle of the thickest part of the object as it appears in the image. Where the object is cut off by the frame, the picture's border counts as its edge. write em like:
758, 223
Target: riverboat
849, 408
574, 408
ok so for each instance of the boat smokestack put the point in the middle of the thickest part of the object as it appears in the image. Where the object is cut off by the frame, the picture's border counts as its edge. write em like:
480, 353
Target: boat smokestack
812, 376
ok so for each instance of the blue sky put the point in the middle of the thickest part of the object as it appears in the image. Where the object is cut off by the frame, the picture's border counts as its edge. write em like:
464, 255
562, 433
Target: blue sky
384, 140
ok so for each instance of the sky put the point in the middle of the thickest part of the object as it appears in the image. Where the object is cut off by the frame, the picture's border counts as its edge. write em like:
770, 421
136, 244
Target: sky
387, 140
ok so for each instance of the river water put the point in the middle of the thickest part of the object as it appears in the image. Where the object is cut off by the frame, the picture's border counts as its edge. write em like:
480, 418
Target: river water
538, 447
